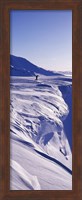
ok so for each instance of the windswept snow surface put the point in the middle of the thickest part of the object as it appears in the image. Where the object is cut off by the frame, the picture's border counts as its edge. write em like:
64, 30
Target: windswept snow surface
41, 133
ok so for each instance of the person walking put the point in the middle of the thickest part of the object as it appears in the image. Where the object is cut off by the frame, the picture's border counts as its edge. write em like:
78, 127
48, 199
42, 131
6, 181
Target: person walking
37, 77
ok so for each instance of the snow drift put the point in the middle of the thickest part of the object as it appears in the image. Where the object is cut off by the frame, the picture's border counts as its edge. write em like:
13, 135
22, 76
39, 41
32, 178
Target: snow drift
41, 135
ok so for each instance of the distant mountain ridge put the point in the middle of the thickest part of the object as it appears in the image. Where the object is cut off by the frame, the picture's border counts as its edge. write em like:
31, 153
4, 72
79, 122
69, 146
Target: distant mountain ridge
21, 67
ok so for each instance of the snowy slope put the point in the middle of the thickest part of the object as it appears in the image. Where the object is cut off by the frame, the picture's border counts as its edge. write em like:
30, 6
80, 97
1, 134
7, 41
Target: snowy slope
22, 67
41, 135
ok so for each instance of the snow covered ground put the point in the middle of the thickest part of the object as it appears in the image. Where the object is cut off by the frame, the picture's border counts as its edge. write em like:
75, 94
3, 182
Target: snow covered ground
41, 133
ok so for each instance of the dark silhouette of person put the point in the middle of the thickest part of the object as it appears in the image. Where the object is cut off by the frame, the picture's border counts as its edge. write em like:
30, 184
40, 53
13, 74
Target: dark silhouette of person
36, 77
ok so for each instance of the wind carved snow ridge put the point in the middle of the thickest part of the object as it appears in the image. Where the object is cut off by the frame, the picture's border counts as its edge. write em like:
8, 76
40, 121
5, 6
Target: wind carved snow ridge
55, 161
38, 112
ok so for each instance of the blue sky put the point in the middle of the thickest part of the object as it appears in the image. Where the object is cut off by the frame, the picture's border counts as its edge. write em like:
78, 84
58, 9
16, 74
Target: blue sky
42, 37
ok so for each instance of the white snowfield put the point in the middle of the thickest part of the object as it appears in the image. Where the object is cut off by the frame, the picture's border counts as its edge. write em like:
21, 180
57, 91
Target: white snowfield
41, 155
31, 181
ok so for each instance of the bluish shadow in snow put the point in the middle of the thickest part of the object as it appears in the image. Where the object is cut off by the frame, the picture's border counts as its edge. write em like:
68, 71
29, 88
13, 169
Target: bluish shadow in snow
47, 137
22, 141
26, 143
24, 182
65, 79
55, 161
67, 95
44, 85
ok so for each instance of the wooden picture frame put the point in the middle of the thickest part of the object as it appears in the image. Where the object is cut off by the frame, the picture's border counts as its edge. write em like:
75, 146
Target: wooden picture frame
5, 7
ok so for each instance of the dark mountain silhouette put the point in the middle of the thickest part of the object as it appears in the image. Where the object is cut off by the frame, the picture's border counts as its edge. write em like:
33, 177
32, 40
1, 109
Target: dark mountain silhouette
22, 67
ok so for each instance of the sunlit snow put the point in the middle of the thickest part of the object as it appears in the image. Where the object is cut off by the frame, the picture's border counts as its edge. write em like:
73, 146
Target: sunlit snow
41, 152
